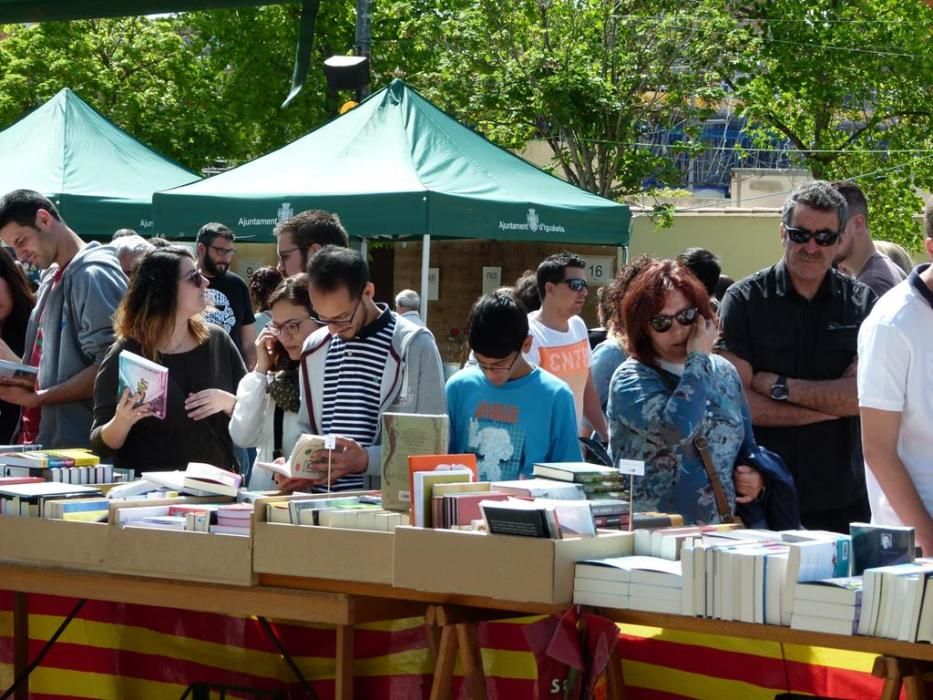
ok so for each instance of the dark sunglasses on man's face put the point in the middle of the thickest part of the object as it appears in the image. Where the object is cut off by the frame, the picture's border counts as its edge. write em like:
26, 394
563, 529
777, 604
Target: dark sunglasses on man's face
802, 236
576, 284
662, 323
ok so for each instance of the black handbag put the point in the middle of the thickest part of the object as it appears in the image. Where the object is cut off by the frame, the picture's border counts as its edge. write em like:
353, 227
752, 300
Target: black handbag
778, 507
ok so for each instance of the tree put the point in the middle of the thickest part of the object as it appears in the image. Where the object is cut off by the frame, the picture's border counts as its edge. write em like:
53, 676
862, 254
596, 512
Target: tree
850, 87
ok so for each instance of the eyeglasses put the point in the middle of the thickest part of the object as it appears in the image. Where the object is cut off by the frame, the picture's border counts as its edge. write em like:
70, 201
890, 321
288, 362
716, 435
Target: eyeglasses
662, 323
823, 238
194, 277
576, 284
223, 252
284, 254
500, 369
321, 321
289, 328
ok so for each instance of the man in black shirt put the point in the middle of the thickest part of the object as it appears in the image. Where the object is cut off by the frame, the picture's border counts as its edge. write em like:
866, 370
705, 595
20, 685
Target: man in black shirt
791, 331
228, 296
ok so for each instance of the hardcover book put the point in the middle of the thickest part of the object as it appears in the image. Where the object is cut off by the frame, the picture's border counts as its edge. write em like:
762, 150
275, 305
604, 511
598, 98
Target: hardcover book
880, 545
406, 435
142, 376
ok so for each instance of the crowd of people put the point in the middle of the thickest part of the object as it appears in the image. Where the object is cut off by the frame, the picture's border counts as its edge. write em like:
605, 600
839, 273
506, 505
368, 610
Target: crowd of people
688, 371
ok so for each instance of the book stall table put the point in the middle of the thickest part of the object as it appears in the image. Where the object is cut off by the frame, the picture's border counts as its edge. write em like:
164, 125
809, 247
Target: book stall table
340, 609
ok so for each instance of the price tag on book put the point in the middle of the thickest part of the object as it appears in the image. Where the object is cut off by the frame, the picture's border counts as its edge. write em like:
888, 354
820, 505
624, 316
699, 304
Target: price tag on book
330, 442
635, 467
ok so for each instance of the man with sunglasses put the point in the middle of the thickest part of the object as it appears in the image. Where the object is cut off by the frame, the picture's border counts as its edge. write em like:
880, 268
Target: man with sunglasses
300, 237
791, 331
229, 301
71, 326
560, 339
362, 361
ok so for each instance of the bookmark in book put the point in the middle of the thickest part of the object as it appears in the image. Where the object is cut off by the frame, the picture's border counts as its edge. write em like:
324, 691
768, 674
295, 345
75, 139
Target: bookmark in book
632, 467
330, 443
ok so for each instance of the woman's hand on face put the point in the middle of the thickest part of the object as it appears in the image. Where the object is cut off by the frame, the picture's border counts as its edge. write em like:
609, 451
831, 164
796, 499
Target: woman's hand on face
265, 348
203, 404
127, 410
703, 335
748, 483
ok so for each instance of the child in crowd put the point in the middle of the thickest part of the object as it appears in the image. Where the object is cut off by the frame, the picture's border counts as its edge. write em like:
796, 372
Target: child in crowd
508, 412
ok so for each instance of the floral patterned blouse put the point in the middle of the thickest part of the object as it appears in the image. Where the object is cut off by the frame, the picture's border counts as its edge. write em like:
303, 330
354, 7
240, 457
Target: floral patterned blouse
655, 415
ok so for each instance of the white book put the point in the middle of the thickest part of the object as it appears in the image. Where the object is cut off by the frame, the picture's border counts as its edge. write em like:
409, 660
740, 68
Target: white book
911, 607
874, 600
596, 585
835, 611
657, 605
812, 558
812, 623
688, 589
775, 572
125, 516
600, 600
925, 626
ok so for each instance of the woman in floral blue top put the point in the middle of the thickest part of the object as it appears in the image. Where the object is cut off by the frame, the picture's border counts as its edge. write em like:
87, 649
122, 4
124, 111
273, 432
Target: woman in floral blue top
672, 389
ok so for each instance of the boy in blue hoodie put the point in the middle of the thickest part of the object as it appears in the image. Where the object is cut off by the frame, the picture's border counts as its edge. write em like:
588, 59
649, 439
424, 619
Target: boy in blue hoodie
508, 412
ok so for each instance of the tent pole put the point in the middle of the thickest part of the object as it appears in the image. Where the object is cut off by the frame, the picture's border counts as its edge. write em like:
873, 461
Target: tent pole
425, 263
621, 256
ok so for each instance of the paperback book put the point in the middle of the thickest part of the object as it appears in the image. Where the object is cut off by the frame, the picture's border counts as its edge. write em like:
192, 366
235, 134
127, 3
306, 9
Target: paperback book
145, 377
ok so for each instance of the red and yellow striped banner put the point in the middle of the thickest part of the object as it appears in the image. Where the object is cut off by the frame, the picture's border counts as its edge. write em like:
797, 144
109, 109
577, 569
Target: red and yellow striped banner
121, 651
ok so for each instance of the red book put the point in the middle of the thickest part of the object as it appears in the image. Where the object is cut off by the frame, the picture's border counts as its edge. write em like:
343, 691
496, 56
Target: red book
11, 480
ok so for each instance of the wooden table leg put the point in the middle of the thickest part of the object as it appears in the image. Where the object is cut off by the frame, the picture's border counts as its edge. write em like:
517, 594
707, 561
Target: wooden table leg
21, 642
343, 681
444, 668
473, 674
888, 668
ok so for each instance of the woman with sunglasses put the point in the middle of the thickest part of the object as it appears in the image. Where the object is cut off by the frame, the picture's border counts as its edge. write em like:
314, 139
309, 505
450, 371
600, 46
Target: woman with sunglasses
671, 390
268, 398
160, 319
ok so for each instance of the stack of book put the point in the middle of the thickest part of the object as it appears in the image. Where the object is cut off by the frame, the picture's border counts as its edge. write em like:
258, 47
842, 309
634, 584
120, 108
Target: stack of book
233, 519
69, 466
93, 510
892, 599
198, 479
28, 500
308, 511
635, 583
830, 605
597, 481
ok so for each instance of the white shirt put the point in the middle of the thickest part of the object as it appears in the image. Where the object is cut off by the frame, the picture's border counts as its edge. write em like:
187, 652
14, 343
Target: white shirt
565, 354
895, 373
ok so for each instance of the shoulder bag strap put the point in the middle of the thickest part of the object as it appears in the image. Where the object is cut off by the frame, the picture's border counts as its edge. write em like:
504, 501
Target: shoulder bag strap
722, 503
278, 419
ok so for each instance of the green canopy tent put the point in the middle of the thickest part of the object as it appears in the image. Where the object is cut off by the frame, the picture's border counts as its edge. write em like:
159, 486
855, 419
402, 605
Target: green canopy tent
99, 177
396, 166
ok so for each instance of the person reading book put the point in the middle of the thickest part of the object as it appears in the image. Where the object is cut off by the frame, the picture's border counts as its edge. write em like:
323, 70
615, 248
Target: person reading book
505, 410
266, 412
363, 360
160, 319
16, 302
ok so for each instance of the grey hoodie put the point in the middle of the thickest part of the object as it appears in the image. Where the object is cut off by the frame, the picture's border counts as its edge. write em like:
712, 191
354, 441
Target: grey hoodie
77, 330
413, 382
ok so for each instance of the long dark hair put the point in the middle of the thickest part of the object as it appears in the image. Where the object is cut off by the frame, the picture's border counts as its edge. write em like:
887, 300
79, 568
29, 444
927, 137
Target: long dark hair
20, 292
147, 312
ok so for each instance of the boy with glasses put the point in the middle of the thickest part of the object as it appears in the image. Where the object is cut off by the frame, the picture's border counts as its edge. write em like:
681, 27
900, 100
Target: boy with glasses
506, 411
791, 331
560, 339
228, 296
362, 361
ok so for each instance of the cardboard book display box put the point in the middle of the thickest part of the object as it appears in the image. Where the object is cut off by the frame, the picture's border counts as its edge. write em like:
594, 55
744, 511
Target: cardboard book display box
179, 554
75, 545
503, 567
311, 551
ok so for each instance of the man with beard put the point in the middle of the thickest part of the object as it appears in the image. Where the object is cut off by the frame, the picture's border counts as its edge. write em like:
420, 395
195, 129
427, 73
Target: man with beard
560, 340
791, 331
228, 296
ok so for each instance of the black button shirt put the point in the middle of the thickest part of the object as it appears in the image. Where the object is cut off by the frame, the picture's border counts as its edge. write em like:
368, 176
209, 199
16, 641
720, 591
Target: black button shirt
768, 324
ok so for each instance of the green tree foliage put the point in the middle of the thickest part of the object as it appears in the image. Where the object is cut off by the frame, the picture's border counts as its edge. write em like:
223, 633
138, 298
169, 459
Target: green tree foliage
850, 86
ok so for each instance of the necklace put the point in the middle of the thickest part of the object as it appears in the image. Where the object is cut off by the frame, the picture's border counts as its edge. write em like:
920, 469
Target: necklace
177, 345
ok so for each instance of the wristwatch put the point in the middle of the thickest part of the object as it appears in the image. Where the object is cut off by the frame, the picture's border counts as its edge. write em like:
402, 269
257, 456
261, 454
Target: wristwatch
779, 389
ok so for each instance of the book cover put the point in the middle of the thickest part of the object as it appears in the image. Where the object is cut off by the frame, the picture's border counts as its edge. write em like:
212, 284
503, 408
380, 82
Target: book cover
16, 370
423, 491
518, 519
579, 472
406, 435
880, 545
80, 457
207, 477
461, 509
35, 459
431, 463
845, 590
541, 488
142, 376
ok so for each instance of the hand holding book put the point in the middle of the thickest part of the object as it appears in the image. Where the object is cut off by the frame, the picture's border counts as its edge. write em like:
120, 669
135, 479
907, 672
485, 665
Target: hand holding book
132, 407
347, 457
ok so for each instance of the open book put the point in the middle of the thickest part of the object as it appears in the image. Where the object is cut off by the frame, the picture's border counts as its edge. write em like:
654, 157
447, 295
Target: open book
299, 464
15, 370
146, 377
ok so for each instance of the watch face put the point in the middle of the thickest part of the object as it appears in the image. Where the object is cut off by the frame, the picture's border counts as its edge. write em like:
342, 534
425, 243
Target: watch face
779, 392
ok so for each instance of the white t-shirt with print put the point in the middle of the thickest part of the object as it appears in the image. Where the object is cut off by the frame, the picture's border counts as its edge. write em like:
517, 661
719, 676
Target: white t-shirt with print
564, 354
895, 373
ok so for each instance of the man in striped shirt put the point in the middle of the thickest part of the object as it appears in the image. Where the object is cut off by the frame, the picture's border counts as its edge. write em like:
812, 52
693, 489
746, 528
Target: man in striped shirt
364, 360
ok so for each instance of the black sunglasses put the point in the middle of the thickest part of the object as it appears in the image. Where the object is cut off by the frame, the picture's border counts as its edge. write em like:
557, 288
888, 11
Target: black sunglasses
823, 238
576, 284
662, 323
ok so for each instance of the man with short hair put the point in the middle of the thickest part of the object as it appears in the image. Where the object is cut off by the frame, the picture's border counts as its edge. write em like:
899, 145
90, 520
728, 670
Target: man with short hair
363, 361
408, 305
560, 340
791, 332
229, 305
857, 251
130, 249
894, 385
71, 326
509, 413
301, 236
